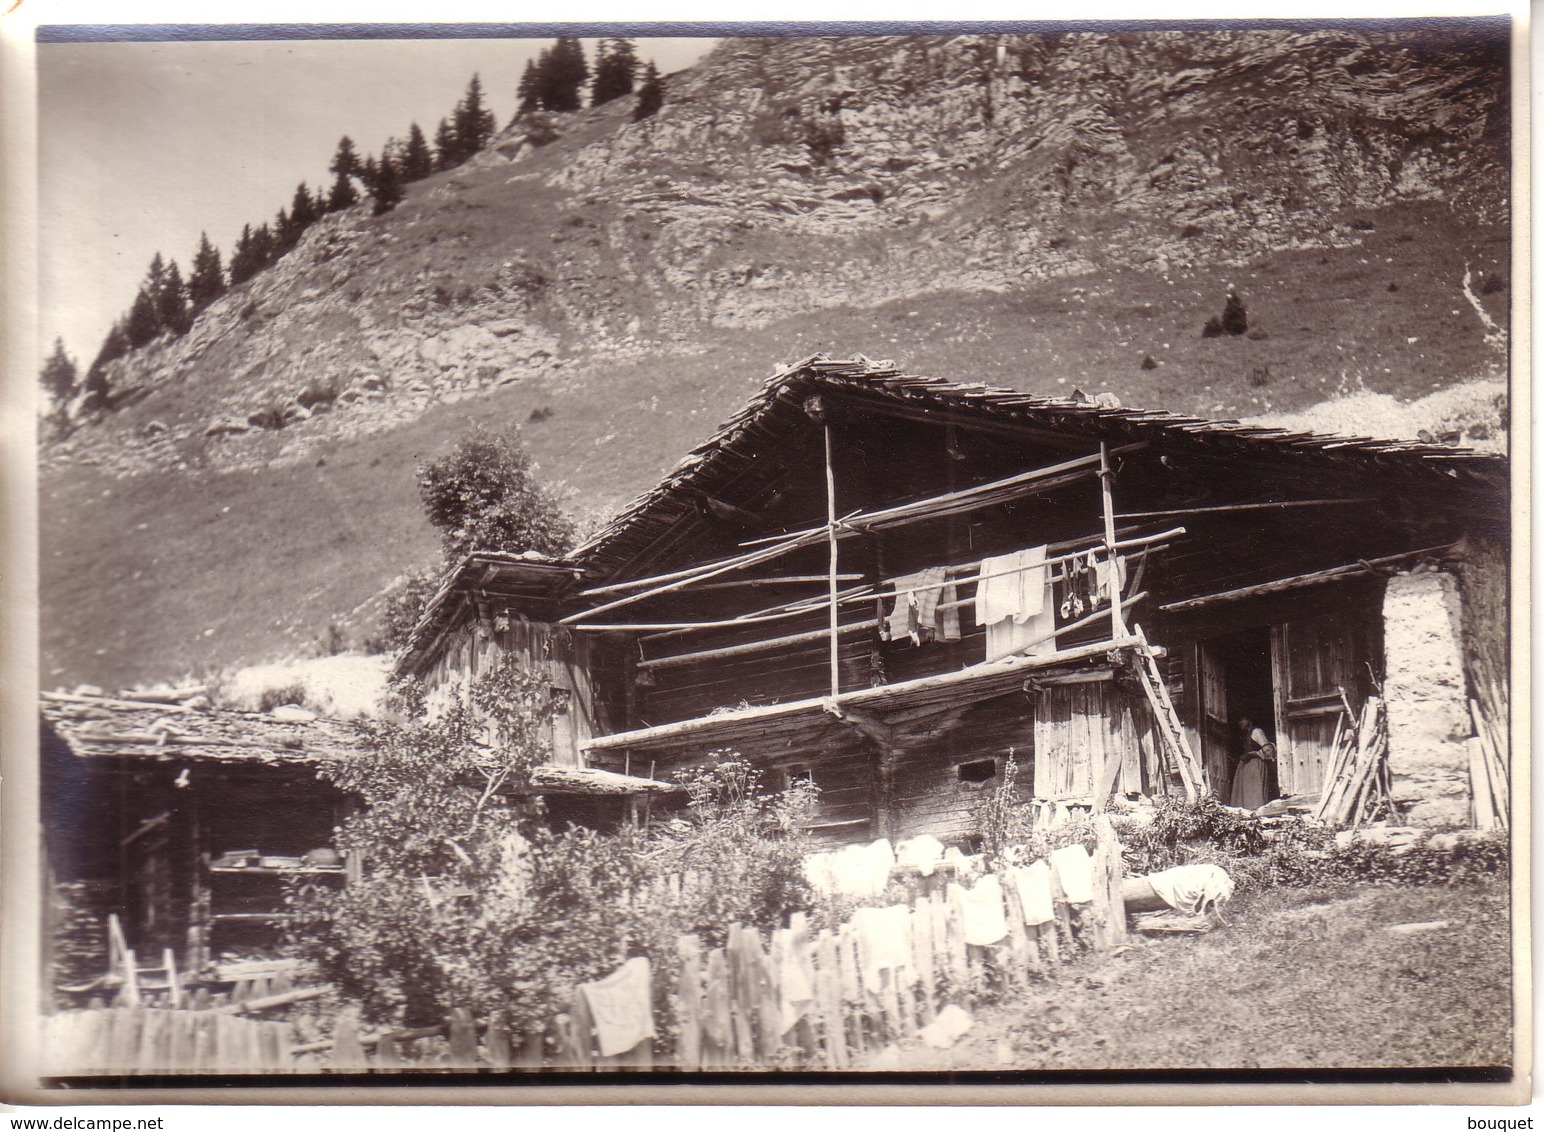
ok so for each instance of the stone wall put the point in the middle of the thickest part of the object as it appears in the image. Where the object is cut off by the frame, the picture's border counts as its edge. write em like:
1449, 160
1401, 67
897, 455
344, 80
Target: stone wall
1426, 693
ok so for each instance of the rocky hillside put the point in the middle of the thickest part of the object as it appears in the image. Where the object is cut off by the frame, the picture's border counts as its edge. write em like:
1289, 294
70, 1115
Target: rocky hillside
1025, 210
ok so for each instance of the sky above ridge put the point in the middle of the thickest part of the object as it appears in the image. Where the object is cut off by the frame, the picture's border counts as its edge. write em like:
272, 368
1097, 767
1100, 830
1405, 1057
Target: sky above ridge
143, 146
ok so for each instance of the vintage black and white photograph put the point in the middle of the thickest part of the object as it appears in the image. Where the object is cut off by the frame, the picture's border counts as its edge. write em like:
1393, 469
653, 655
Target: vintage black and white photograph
661, 554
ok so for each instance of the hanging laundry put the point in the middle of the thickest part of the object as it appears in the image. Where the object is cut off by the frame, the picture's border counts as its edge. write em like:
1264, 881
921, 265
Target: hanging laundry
1104, 590
1034, 888
1035, 637
1074, 873
884, 941
923, 853
985, 923
818, 871
917, 615
620, 1007
1011, 585
1193, 889
881, 863
795, 994
962, 865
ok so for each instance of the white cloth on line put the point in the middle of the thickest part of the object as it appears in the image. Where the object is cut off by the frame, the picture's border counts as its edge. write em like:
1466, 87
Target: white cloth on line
620, 1007
1011, 585
1075, 873
1102, 587
884, 941
1035, 637
985, 923
1193, 888
1034, 887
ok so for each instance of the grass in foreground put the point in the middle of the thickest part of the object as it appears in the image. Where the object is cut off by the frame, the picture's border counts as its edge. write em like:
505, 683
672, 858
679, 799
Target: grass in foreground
1298, 978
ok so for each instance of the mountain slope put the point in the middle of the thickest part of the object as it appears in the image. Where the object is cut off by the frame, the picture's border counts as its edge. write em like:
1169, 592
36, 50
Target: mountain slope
1036, 211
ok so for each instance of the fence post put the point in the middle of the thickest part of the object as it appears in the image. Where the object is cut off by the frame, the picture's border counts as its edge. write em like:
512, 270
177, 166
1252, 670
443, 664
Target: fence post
688, 996
462, 1034
497, 1041
348, 1055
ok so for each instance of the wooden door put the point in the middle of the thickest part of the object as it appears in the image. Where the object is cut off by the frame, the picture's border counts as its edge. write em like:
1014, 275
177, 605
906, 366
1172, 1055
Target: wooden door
1313, 659
1215, 732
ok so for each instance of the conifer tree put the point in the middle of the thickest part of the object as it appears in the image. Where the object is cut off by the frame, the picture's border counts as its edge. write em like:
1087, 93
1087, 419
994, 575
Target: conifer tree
303, 211
388, 185
265, 245
564, 76
616, 66
58, 375
343, 194
207, 283
284, 236
171, 302
345, 162
114, 346
474, 124
1235, 319
528, 93
143, 325
417, 159
651, 95
244, 262
445, 146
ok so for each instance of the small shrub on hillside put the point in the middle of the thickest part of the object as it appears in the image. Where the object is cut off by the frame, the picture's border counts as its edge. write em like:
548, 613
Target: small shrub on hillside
1260, 376
404, 607
1191, 231
482, 496
1213, 328
1235, 319
539, 415
271, 698
1148, 363
1492, 284
1362, 224
1393, 287
824, 135
1259, 334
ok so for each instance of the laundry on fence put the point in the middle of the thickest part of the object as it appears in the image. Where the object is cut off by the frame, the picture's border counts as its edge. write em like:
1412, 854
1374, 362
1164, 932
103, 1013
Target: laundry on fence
922, 853
854, 870
620, 1007
1074, 871
982, 905
1034, 888
884, 941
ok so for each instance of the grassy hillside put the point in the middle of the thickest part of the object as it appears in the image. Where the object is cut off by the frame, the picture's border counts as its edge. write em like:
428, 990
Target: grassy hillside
170, 572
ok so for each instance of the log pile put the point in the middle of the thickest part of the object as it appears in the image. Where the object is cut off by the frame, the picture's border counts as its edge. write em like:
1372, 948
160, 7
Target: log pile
1357, 787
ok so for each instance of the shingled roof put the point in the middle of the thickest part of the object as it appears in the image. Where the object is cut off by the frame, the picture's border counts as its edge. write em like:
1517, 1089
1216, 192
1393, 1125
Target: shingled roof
103, 727
776, 411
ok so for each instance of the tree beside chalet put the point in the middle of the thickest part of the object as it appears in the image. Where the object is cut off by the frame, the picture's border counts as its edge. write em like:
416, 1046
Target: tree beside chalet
891, 585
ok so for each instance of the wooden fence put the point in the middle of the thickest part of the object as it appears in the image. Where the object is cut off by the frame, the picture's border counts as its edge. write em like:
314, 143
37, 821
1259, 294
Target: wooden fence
792, 999
802, 1000
131, 1040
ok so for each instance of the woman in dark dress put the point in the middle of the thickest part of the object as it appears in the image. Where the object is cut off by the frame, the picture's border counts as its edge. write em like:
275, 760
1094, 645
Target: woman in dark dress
1252, 772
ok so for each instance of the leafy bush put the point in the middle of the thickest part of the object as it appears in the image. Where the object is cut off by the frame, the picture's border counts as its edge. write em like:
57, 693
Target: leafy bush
482, 496
1213, 328
469, 899
404, 607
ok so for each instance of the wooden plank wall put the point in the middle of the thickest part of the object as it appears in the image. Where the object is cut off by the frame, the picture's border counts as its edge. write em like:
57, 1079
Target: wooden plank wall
1080, 726
929, 796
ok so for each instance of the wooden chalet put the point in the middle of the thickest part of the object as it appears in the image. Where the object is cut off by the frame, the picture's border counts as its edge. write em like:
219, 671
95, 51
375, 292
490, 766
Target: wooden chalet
187, 823
743, 603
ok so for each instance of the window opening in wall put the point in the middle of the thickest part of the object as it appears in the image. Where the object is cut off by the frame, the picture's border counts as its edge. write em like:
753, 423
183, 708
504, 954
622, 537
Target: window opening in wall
983, 770
795, 774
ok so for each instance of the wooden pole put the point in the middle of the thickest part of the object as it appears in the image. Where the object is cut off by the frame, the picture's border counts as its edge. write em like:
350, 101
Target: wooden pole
1117, 623
836, 671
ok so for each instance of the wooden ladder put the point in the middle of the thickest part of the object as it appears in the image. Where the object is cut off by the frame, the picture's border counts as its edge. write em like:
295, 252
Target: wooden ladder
1190, 771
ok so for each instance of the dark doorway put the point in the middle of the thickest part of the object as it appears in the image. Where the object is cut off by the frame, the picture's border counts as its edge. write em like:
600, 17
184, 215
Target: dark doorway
1235, 682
